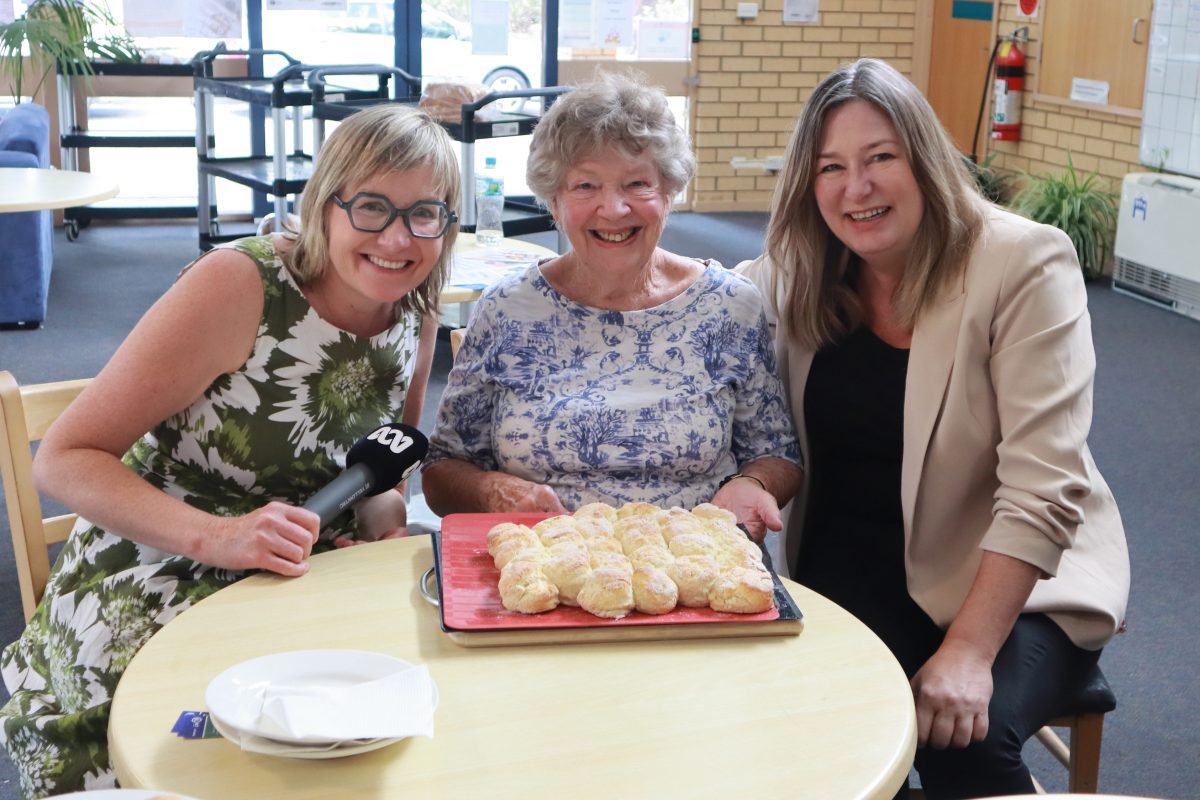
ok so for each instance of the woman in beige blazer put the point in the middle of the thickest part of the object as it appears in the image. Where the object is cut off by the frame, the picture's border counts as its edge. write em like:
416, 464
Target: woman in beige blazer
937, 354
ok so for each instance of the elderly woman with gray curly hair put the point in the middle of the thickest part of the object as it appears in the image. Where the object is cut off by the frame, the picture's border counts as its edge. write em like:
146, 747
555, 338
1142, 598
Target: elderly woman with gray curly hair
617, 372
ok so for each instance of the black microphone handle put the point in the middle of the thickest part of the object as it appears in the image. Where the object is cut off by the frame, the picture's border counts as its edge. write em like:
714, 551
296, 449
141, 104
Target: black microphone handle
341, 493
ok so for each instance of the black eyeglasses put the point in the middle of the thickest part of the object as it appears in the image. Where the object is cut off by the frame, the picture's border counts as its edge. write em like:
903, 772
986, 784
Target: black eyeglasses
372, 213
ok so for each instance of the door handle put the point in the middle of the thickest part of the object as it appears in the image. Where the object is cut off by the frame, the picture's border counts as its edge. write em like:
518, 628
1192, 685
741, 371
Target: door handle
1137, 22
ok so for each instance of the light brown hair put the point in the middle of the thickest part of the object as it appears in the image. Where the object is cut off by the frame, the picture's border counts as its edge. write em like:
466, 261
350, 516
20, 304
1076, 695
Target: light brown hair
818, 270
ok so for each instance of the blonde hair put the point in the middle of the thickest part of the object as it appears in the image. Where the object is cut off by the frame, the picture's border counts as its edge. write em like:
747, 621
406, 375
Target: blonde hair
373, 142
818, 270
610, 110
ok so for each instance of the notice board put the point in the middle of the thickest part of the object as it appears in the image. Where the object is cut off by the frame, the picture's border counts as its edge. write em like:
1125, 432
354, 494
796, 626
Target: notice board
1171, 109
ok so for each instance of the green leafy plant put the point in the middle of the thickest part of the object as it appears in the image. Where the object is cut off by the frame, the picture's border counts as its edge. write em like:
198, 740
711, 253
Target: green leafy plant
63, 33
1081, 208
992, 183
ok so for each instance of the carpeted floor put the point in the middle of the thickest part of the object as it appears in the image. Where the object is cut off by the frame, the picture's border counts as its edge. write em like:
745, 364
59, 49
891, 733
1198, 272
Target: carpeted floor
1145, 437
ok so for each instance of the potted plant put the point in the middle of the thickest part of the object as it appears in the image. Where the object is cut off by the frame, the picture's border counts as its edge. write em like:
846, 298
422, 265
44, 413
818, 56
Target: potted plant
993, 184
1081, 208
63, 33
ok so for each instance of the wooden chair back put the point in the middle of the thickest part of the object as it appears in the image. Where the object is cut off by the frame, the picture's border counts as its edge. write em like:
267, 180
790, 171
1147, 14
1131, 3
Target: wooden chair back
456, 337
25, 414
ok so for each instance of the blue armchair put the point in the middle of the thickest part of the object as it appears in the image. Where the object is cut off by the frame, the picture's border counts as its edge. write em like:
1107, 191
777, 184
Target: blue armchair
26, 251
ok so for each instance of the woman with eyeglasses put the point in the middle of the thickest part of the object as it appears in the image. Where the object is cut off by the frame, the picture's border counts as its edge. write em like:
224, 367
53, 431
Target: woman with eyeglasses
234, 399
617, 372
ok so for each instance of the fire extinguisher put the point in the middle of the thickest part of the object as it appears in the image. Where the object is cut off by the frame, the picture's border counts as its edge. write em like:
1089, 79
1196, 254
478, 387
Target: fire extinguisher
1007, 90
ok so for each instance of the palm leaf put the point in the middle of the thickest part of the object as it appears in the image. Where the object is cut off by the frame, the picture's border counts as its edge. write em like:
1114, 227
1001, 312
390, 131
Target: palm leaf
1077, 205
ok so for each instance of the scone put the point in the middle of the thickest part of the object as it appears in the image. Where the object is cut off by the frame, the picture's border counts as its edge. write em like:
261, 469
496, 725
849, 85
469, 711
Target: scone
509, 549
653, 591
507, 532
550, 523
602, 510
709, 511
607, 558
651, 555
742, 591
524, 587
568, 568
679, 526
603, 543
648, 510
595, 527
693, 575
692, 544
637, 537
607, 592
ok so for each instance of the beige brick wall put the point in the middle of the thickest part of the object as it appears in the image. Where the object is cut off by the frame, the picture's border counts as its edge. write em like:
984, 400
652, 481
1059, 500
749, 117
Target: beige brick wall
756, 74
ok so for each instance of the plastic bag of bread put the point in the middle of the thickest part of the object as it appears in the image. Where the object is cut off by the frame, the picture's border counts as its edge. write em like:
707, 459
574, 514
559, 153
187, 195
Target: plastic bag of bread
444, 100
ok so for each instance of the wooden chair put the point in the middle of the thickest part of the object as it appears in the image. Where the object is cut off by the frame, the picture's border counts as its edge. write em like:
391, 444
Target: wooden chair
25, 414
1085, 720
456, 337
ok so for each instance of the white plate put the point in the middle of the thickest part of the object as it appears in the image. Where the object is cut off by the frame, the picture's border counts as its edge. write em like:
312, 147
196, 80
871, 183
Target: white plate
234, 696
272, 747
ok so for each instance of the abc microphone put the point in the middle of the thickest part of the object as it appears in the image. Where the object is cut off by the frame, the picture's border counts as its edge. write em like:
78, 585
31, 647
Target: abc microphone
374, 464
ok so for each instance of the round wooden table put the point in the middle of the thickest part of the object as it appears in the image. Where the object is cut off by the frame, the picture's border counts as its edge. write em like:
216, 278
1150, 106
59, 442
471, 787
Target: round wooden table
29, 189
824, 714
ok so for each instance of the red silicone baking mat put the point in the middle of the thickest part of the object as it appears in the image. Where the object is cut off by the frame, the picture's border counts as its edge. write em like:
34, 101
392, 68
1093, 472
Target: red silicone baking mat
471, 600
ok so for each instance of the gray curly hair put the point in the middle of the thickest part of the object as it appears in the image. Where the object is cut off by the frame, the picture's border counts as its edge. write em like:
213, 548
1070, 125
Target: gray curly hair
611, 110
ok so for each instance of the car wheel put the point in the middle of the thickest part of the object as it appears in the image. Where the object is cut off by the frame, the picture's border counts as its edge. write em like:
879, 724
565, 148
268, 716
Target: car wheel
507, 79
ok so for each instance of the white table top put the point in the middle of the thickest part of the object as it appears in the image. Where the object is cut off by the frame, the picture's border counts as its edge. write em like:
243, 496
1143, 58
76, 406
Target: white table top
466, 249
827, 713
29, 189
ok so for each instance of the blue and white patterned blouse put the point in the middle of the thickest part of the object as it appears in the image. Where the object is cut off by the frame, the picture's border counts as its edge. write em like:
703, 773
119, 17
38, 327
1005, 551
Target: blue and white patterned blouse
656, 405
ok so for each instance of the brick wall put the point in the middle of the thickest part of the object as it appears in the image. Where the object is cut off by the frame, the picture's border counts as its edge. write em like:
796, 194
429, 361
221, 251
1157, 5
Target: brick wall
755, 75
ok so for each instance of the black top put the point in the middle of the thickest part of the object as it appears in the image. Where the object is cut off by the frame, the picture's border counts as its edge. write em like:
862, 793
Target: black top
852, 550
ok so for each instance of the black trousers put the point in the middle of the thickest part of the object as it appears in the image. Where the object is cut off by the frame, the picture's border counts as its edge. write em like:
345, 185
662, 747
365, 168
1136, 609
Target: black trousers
1037, 667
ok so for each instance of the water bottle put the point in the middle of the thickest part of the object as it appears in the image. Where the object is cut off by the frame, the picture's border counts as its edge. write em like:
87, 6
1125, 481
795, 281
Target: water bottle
489, 205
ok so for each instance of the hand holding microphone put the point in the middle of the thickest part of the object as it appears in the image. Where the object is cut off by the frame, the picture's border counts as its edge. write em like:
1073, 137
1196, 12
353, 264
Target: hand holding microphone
375, 464
279, 537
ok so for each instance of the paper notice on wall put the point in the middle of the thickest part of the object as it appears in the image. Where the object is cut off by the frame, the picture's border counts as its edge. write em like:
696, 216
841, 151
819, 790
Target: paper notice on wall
1085, 90
6, 11
614, 23
219, 19
154, 17
800, 11
489, 27
215, 19
575, 23
660, 38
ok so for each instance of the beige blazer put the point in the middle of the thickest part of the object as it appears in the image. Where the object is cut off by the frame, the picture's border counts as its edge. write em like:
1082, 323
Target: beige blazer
998, 403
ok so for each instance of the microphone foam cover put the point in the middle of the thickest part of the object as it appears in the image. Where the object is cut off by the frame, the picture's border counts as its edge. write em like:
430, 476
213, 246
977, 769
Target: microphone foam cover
390, 452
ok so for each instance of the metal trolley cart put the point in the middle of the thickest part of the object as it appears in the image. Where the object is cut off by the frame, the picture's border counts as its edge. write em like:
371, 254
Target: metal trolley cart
279, 175
522, 214
74, 138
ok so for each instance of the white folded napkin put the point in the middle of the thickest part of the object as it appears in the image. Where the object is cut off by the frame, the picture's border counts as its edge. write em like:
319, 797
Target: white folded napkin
397, 705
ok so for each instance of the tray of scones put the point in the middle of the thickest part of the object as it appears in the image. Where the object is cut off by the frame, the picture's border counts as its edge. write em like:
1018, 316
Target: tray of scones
605, 574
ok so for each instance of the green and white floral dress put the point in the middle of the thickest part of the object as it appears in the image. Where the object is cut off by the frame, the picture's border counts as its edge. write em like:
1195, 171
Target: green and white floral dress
277, 429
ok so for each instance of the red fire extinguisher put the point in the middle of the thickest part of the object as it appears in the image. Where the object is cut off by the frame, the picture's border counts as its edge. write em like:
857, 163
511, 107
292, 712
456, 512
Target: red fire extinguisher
1008, 88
